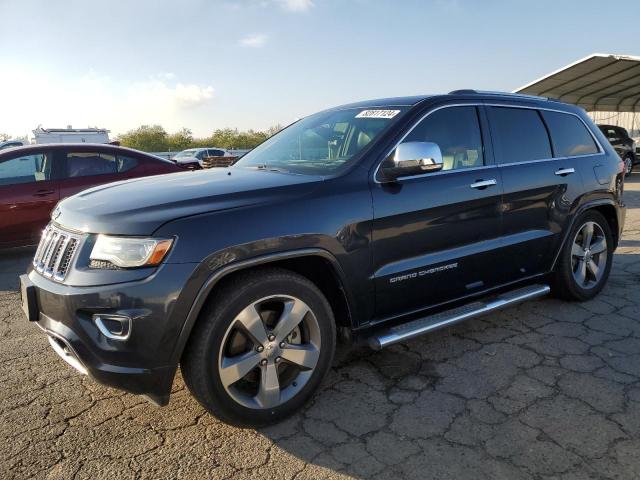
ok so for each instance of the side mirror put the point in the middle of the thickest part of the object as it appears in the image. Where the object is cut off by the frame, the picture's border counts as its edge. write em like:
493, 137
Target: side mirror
412, 158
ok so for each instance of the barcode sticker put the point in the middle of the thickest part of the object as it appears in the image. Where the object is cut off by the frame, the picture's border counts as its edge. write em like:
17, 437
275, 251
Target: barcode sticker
377, 113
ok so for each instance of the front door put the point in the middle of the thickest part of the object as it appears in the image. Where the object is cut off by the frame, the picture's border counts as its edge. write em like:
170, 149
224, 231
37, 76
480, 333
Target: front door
28, 193
436, 235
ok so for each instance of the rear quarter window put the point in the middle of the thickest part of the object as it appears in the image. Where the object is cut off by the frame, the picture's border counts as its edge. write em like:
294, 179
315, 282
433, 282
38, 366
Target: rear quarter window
569, 135
126, 163
519, 135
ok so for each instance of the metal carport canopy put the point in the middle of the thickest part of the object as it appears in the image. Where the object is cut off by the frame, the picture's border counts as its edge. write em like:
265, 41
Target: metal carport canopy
599, 82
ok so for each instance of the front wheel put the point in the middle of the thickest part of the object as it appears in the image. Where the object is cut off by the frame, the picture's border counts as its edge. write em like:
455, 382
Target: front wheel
261, 348
585, 260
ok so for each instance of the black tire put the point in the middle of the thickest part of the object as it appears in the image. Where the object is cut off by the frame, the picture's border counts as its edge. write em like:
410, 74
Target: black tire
564, 284
200, 364
628, 160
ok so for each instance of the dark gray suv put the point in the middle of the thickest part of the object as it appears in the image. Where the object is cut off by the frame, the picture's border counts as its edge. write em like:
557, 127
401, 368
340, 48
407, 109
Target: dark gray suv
373, 222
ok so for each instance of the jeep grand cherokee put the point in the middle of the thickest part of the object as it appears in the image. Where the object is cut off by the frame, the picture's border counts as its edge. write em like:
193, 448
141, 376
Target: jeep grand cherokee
376, 222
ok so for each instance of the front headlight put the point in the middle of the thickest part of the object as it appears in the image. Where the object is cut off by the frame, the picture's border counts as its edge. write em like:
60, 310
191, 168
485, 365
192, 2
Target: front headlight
128, 252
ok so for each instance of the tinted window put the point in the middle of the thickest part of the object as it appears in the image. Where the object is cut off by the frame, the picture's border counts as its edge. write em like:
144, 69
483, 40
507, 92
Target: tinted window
456, 130
613, 133
519, 135
608, 132
126, 163
216, 153
83, 164
621, 132
569, 135
35, 167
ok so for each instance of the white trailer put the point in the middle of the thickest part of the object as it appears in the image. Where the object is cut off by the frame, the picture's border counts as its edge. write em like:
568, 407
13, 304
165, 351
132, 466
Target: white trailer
70, 135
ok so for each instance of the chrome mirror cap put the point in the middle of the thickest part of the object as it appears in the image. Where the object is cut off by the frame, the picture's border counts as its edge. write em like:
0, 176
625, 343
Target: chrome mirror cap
413, 158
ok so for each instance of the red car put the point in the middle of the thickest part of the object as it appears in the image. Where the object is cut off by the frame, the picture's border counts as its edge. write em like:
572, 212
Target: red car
34, 178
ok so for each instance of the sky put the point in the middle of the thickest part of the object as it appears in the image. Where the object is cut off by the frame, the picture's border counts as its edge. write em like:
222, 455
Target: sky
208, 64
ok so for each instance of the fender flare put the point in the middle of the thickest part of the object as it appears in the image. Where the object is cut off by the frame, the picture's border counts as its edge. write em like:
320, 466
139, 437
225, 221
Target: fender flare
580, 210
218, 275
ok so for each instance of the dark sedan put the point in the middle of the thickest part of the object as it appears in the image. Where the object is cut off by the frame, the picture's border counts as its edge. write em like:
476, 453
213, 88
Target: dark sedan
34, 178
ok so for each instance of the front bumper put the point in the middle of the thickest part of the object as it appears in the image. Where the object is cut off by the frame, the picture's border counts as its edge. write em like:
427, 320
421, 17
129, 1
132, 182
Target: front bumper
143, 363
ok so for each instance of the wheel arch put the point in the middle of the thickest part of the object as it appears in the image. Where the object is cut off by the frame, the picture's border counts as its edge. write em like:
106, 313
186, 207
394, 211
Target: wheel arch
607, 208
318, 265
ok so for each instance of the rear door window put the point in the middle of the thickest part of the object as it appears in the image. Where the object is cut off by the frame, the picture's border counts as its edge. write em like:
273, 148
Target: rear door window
519, 135
85, 164
569, 135
34, 167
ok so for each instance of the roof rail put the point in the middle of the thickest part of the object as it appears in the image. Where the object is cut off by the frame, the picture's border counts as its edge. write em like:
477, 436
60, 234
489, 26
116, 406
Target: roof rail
498, 94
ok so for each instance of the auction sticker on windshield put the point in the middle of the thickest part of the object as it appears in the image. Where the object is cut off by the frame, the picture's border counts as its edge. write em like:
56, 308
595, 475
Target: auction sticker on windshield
377, 113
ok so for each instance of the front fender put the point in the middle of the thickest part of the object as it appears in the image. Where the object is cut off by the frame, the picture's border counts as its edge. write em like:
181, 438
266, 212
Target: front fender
218, 272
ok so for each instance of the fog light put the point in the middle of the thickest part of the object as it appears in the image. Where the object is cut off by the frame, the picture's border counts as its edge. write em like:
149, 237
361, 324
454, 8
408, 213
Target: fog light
114, 327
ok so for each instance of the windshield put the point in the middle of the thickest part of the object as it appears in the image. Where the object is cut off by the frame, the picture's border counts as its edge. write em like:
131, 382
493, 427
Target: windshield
323, 143
186, 153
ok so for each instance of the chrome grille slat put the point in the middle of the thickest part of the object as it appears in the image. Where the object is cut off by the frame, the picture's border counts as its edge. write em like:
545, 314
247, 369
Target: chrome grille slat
42, 249
66, 258
47, 254
55, 252
60, 249
45, 232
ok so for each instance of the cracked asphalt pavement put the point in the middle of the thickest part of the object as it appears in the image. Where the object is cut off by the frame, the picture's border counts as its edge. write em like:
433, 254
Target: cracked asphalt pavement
548, 389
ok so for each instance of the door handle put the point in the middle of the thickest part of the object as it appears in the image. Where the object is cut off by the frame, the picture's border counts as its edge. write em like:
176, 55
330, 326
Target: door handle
565, 171
481, 184
44, 193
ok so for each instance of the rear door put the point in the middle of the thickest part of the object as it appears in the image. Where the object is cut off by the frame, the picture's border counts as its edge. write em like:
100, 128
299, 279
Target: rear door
436, 235
28, 193
84, 168
540, 188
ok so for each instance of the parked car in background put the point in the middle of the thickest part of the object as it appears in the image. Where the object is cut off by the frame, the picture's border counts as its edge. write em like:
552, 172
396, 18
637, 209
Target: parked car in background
34, 178
381, 220
192, 158
11, 144
623, 144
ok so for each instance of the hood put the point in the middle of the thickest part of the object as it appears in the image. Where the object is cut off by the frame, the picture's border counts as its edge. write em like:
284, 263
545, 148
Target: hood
139, 206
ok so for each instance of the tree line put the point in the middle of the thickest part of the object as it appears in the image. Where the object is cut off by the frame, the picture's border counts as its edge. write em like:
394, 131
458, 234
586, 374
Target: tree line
154, 138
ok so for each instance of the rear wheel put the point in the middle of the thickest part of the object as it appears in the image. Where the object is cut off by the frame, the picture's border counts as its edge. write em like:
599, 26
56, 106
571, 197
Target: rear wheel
585, 260
261, 348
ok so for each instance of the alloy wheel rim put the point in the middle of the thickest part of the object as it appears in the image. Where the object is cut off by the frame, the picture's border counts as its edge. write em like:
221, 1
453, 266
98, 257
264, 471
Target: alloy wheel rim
269, 352
628, 165
589, 255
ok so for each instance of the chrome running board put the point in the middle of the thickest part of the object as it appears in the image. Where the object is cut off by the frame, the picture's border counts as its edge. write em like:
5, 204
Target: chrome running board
415, 328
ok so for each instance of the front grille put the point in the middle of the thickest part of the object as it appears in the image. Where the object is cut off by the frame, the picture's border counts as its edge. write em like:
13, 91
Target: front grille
55, 253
